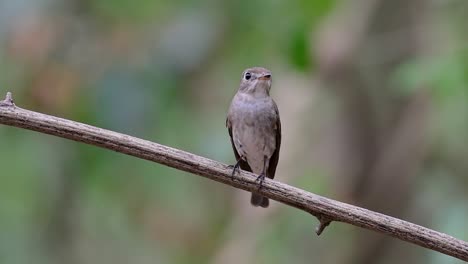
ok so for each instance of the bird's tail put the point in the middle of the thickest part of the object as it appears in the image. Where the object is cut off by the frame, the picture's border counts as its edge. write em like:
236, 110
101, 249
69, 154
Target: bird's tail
258, 200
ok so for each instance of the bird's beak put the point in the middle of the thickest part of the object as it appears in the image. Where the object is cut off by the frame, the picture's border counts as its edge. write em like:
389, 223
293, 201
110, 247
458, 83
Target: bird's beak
265, 77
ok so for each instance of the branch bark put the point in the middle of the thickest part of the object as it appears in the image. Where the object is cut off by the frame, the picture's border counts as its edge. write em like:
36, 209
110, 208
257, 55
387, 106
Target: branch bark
326, 210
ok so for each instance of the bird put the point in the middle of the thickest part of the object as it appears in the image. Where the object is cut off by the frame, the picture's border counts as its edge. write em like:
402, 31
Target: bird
254, 126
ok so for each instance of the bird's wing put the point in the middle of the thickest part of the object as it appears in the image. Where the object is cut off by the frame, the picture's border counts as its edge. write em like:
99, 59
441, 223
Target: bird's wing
242, 163
274, 158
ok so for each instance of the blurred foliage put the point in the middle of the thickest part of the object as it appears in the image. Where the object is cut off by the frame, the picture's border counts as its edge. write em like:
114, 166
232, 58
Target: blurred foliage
166, 71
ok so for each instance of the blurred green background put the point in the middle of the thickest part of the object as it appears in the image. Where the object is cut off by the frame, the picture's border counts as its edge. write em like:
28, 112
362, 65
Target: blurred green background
373, 97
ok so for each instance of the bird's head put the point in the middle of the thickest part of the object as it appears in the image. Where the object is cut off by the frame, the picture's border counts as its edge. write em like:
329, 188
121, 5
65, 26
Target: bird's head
256, 80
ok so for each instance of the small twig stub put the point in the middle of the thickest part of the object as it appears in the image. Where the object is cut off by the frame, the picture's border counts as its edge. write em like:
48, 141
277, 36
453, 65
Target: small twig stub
8, 100
324, 222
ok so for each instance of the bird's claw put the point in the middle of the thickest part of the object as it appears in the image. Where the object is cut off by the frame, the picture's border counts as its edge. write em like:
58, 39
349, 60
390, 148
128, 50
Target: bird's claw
260, 178
235, 168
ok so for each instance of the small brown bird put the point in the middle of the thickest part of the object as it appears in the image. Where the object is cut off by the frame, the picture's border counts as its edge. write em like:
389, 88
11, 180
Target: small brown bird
254, 126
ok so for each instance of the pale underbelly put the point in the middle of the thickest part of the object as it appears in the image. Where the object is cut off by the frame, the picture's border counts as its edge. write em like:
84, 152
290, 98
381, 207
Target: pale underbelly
256, 145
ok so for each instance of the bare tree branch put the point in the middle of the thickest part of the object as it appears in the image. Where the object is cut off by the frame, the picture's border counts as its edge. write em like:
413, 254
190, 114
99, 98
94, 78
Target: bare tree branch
326, 210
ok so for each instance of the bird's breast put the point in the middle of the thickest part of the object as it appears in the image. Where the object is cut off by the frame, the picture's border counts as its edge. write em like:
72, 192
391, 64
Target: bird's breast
254, 130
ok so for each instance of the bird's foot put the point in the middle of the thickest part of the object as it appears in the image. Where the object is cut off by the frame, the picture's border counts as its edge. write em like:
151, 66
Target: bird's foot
260, 179
235, 168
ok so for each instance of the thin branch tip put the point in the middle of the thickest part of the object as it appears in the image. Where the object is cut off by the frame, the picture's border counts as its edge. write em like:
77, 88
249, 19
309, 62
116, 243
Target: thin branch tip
8, 100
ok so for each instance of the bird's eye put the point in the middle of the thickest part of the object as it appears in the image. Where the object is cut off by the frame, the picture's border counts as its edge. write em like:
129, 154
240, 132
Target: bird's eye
248, 75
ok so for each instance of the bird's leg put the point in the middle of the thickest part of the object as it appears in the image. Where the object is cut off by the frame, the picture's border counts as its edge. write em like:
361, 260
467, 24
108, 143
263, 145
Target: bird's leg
235, 167
262, 175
